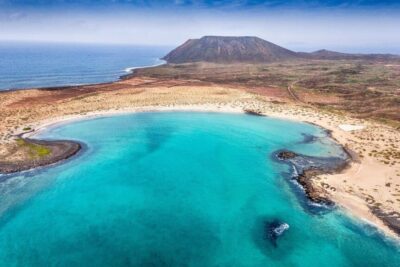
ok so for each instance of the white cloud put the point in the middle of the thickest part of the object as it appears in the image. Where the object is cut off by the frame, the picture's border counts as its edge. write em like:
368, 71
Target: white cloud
297, 30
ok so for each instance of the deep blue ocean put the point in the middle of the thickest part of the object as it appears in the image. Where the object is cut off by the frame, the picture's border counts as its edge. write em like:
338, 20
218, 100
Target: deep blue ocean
30, 65
179, 189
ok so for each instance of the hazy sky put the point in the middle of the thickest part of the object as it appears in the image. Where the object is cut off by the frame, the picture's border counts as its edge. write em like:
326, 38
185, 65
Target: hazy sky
364, 26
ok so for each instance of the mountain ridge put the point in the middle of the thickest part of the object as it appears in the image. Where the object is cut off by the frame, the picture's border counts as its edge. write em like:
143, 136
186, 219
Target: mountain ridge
251, 49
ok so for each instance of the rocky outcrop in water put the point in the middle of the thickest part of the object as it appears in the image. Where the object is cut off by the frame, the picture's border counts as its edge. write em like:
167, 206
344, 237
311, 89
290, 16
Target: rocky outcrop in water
285, 155
275, 229
307, 167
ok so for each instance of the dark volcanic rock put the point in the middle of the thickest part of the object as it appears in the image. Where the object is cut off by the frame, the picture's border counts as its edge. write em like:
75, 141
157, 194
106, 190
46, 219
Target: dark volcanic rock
283, 155
307, 167
274, 229
253, 112
268, 234
390, 219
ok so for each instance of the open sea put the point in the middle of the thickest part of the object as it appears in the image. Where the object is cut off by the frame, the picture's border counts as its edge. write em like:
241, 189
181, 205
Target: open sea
180, 189
32, 65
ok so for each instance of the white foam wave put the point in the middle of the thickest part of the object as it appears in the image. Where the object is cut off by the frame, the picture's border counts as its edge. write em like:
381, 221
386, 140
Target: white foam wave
158, 63
281, 228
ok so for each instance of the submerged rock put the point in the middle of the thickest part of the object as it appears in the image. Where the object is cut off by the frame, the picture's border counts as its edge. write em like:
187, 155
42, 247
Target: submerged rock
275, 229
283, 155
308, 138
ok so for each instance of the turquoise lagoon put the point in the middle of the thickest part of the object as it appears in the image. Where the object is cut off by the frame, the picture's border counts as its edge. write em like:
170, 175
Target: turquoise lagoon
178, 189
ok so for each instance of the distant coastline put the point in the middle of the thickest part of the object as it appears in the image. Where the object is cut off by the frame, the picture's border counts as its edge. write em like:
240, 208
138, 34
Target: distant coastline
26, 65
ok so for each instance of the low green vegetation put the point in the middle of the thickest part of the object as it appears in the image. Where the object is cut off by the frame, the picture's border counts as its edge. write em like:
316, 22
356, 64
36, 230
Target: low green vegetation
34, 150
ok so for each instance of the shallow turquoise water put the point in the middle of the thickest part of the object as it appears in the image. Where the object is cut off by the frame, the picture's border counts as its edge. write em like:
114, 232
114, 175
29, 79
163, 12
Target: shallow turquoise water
177, 189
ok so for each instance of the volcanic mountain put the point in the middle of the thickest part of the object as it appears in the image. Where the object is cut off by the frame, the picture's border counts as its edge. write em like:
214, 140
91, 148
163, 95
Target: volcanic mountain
246, 49
228, 50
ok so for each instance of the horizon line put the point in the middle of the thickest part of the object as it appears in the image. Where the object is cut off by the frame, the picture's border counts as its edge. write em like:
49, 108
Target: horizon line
172, 46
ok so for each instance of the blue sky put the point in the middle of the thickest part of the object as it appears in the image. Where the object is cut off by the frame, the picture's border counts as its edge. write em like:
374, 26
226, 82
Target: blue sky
363, 25
208, 3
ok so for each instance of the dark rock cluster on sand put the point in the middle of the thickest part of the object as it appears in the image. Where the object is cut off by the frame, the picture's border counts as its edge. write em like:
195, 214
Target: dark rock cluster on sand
60, 150
253, 112
390, 219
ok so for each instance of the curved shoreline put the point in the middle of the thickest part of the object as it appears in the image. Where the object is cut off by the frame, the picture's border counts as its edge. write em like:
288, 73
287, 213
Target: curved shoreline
308, 167
129, 72
65, 149
43, 125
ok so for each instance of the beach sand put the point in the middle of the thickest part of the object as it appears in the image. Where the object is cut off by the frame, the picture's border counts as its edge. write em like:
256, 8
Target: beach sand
368, 189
